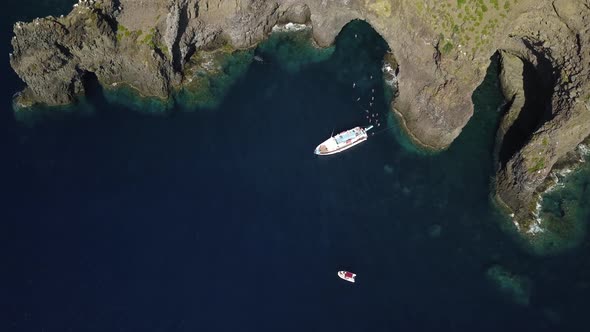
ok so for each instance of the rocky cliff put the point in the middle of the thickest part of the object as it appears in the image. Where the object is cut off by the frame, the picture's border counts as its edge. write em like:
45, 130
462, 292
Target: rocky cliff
547, 50
442, 47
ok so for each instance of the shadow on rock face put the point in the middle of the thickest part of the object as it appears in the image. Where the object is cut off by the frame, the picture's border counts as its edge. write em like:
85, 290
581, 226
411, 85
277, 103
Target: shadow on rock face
537, 84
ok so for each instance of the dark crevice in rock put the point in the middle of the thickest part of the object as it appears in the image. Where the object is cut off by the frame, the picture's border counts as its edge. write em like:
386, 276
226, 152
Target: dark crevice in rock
64, 50
578, 44
190, 51
92, 88
183, 22
504, 109
538, 88
111, 22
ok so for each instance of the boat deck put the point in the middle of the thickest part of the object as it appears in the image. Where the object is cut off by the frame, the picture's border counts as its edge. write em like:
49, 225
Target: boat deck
348, 135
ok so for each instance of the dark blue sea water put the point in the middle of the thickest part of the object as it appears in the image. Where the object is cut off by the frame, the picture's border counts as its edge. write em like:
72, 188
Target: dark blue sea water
223, 219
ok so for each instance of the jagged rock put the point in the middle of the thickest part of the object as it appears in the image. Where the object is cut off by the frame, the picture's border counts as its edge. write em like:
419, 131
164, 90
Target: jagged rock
563, 122
172, 25
511, 81
296, 13
442, 49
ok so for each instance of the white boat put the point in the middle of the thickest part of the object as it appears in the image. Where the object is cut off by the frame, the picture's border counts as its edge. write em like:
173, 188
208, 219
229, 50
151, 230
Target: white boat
343, 141
348, 276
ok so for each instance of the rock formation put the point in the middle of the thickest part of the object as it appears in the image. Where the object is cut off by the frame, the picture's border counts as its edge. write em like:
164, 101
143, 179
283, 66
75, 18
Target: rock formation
442, 48
550, 47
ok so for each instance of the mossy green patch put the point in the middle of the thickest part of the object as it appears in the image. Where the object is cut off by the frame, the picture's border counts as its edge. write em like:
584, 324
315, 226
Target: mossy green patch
465, 23
538, 164
447, 48
122, 31
379, 7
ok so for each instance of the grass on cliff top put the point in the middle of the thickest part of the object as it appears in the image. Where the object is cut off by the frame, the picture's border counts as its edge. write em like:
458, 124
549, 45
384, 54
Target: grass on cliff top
538, 164
467, 25
380, 7
148, 38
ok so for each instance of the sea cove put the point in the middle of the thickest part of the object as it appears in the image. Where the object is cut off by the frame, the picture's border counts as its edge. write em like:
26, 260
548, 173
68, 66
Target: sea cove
123, 215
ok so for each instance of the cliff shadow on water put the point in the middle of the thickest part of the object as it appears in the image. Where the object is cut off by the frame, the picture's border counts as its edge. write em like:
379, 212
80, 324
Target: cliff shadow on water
94, 92
209, 193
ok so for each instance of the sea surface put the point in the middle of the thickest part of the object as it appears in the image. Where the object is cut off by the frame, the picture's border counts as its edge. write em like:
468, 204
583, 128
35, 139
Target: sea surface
222, 219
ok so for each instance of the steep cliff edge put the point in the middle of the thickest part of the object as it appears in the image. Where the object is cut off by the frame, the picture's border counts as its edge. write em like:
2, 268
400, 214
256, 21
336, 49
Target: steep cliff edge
443, 49
550, 111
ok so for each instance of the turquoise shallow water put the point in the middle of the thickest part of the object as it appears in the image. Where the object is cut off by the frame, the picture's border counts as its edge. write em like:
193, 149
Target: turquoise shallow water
222, 219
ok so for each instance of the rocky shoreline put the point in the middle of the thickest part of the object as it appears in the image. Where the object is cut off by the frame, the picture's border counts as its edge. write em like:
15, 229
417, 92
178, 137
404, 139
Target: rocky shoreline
441, 48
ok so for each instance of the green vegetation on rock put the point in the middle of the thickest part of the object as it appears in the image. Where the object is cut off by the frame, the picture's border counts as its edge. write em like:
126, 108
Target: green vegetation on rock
138, 36
470, 24
447, 48
538, 164
122, 31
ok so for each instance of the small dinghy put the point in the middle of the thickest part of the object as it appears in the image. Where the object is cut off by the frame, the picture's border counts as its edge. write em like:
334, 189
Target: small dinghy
348, 276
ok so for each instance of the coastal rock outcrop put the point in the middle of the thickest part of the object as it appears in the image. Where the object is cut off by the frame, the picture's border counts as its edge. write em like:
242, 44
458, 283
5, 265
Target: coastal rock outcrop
548, 116
442, 49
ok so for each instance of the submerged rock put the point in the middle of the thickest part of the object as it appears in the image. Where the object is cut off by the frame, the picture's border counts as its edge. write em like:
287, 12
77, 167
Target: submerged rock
388, 169
515, 287
434, 231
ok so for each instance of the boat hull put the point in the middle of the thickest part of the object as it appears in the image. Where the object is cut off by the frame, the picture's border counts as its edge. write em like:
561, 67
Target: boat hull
345, 147
348, 276
343, 141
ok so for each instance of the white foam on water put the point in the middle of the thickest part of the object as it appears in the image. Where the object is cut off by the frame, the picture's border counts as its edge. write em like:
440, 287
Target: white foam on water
535, 228
388, 69
290, 27
516, 224
584, 150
